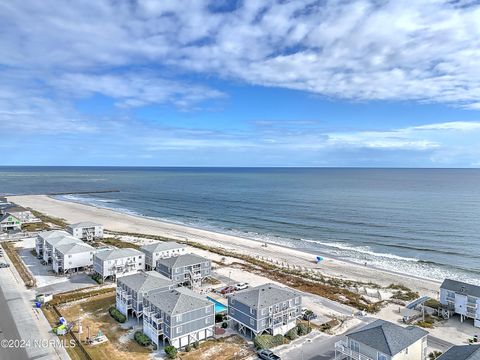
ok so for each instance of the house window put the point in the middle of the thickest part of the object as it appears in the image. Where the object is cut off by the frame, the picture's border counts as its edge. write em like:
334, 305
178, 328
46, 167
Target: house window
232, 311
252, 322
179, 318
179, 329
207, 320
354, 346
381, 357
251, 311
207, 310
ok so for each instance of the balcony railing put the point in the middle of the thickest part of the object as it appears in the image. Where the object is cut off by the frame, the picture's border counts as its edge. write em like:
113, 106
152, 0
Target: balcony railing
342, 347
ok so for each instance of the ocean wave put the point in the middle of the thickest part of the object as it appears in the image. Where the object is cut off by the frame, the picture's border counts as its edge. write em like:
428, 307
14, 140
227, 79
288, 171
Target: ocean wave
362, 250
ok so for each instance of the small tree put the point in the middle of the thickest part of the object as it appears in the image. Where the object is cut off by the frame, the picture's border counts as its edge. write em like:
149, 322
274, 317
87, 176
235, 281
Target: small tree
292, 334
303, 329
224, 325
188, 348
218, 318
170, 351
196, 344
434, 355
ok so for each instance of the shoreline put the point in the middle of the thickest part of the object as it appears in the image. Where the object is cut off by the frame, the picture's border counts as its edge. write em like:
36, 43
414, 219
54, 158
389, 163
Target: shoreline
73, 211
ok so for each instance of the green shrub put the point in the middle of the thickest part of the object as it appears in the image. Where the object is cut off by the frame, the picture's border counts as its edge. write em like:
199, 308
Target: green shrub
268, 341
98, 278
188, 348
196, 344
224, 325
170, 351
141, 338
218, 318
303, 329
434, 355
117, 315
292, 334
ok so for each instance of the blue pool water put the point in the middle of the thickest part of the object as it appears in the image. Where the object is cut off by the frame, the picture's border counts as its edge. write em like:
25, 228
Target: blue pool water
219, 307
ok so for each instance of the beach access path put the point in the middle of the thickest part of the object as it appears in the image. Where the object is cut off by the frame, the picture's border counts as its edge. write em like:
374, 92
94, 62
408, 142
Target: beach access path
116, 221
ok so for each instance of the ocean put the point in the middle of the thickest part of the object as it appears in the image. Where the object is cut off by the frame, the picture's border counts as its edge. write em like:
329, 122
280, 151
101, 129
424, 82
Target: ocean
424, 222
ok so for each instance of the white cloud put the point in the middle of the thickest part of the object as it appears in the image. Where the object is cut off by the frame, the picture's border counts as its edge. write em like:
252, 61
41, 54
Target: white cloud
402, 50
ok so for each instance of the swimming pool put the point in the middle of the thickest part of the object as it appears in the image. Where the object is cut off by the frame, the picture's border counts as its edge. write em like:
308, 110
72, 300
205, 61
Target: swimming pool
219, 307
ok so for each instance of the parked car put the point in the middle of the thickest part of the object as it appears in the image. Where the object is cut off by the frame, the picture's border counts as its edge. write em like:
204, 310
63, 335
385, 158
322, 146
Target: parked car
227, 290
4, 265
267, 355
241, 286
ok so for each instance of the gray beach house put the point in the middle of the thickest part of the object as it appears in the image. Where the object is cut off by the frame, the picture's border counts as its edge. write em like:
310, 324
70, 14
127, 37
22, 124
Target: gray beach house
267, 308
457, 297
178, 317
383, 340
188, 269
131, 290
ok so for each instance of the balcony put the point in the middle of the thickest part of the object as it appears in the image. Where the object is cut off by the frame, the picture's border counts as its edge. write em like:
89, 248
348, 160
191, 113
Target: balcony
342, 347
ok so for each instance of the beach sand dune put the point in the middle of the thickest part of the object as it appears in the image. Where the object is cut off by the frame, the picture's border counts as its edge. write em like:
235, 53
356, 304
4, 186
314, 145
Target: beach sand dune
116, 221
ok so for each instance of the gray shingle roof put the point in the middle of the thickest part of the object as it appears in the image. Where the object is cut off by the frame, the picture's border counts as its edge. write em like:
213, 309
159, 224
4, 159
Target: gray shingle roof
264, 296
111, 254
386, 337
182, 260
464, 352
84, 224
461, 287
162, 246
45, 235
178, 301
74, 248
145, 281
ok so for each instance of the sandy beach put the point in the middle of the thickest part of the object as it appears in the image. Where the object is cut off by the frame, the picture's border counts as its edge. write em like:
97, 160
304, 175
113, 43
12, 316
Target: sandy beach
115, 221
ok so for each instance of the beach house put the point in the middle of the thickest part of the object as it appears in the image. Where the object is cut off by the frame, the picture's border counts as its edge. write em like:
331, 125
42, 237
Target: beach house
457, 297
86, 230
43, 237
131, 290
267, 308
55, 240
383, 340
461, 352
114, 263
178, 317
71, 257
161, 250
24, 215
9, 222
187, 269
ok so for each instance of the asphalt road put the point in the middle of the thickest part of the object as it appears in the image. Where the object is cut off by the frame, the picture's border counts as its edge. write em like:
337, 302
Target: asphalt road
8, 331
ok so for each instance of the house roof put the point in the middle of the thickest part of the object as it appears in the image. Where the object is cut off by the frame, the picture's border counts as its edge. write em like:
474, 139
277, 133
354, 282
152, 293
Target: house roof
145, 281
112, 254
463, 352
63, 240
83, 225
6, 215
162, 246
387, 337
182, 260
264, 296
178, 301
13, 208
461, 287
74, 248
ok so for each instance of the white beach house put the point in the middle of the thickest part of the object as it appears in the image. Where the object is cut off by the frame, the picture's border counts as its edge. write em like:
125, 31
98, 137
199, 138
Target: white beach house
461, 298
114, 263
9, 222
86, 230
161, 250
72, 257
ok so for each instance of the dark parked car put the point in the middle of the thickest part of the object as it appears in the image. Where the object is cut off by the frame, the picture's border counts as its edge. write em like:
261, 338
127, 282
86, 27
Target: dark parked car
267, 355
227, 290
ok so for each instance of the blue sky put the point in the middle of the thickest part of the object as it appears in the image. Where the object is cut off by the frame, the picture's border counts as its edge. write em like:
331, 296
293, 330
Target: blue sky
240, 83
